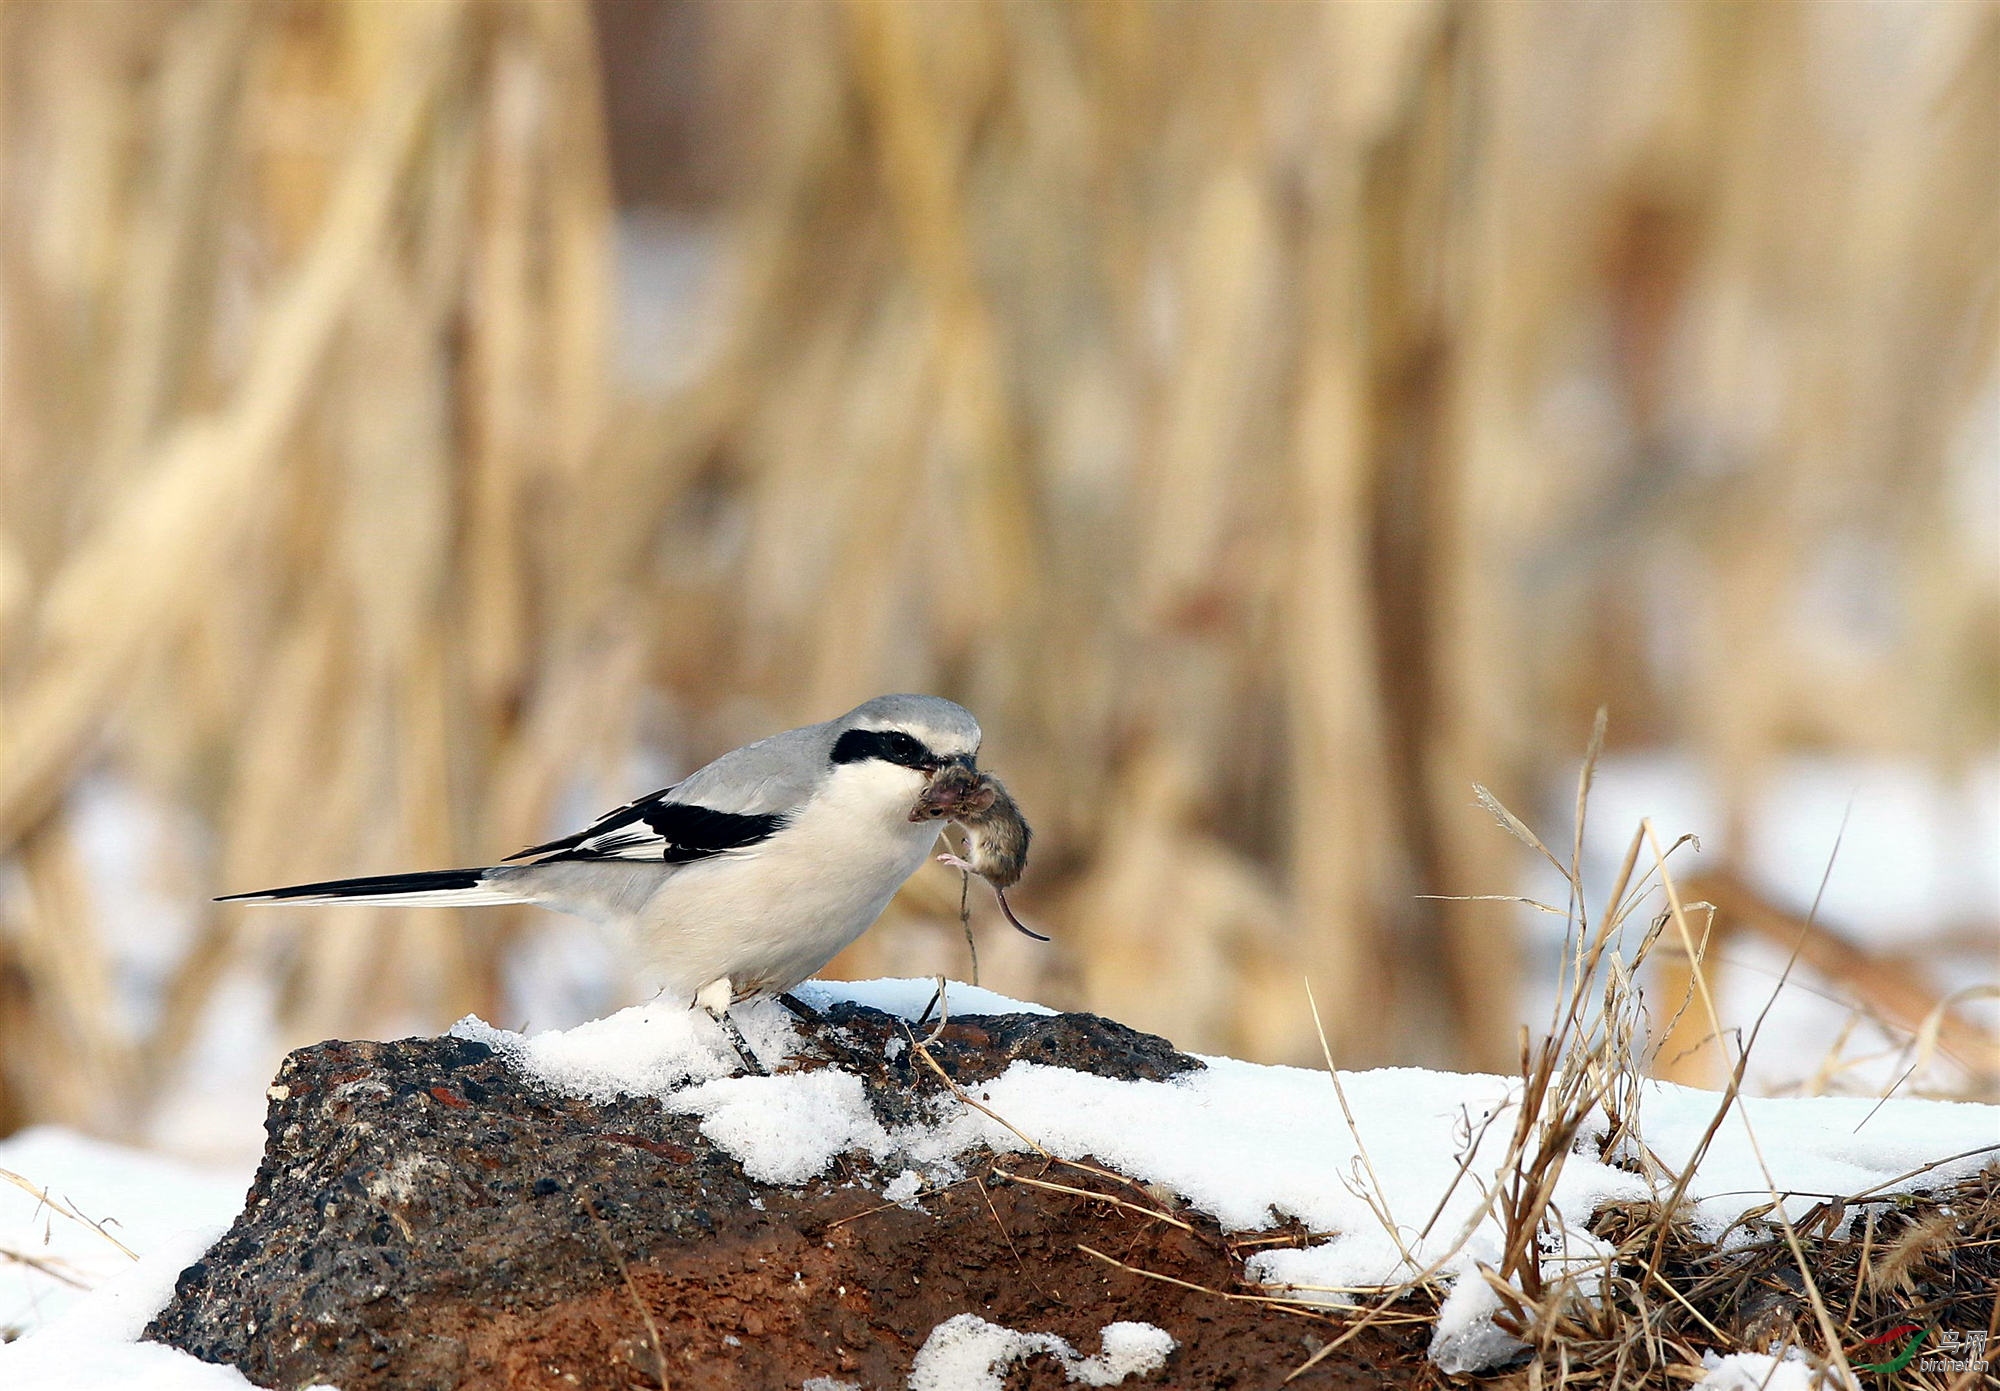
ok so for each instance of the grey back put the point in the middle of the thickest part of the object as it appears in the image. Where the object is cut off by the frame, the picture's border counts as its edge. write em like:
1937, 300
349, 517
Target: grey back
777, 773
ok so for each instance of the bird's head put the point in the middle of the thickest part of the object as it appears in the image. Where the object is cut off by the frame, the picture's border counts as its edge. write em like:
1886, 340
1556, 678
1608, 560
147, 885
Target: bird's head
918, 734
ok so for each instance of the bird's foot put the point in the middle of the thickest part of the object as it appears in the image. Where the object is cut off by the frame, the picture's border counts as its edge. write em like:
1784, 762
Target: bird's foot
800, 1010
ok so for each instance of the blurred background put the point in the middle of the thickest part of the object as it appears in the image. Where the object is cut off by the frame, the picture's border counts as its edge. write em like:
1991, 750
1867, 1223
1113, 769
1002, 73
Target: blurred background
426, 425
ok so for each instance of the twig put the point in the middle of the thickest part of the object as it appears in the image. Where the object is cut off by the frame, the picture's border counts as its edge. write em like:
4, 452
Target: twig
1379, 1202
965, 918
67, 1210
1290, 1306
652, 1329
884, 1207
53, 1267
1007, 1237
1009, 1176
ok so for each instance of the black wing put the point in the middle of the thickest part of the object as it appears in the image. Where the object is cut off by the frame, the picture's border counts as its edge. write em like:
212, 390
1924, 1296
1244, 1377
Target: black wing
656, 828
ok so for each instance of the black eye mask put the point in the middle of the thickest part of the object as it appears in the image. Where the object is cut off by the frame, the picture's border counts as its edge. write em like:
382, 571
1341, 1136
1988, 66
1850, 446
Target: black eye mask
889, 745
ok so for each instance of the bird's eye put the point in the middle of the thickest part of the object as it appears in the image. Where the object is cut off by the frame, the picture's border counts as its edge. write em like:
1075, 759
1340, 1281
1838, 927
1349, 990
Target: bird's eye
891, 745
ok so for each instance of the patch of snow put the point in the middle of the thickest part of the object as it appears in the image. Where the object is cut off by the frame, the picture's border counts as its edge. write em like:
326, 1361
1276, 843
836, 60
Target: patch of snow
783, 1129
647, 1050
166, 1211
1130, 1348
144, 1200
94, 1345
904, 1187
789, 1132
1756, 1371
1466, 1339
41, 1364
906, 998
967, 1353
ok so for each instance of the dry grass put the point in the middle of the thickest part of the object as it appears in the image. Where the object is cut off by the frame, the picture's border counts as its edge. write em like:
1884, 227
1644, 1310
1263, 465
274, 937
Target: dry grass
1643, 1312
1267, 417
50, 1207
1847, 1283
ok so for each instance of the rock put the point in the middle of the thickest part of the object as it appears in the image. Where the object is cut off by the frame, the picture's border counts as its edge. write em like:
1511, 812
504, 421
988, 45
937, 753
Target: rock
427, 1216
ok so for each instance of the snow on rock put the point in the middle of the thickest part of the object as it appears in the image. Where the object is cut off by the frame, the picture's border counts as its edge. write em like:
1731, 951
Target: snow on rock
905, 1187
647, 1050
789, 1132
1129, 1349
966, 1353
907, 997
650, 1049
1251, 1145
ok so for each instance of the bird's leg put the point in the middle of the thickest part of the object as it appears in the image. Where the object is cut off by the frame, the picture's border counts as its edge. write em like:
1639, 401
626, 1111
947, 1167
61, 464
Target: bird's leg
715, 997
741, 1045
800, 1010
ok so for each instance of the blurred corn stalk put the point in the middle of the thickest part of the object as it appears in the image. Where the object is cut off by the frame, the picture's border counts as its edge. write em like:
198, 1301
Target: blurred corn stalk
1269, 418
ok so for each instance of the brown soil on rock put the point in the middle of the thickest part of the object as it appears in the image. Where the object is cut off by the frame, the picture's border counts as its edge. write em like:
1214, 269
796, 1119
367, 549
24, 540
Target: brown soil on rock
846, 1289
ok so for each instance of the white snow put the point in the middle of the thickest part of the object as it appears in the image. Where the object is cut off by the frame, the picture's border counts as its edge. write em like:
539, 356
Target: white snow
790, 1132
904, 1187
966, 1353
907, 998
163, 1210
94, 1345
1757, 1371
143, 1200
1466, 1339
784, 1129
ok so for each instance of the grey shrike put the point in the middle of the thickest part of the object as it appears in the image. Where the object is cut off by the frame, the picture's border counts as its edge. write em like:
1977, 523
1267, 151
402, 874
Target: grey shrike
745, 877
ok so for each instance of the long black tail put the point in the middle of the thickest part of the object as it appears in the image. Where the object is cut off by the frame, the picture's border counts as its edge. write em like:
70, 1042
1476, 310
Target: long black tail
434, 888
